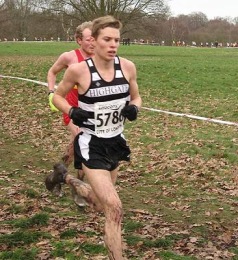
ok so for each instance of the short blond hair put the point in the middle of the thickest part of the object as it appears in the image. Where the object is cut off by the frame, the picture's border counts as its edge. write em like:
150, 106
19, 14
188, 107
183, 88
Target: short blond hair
81, 28
103, 22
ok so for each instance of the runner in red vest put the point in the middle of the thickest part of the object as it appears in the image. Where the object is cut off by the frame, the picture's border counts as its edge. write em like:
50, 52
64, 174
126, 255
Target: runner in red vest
83, 39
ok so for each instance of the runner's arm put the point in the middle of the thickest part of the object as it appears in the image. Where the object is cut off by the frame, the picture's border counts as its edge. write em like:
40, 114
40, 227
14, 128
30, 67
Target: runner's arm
134, 89
59, 65
67, 83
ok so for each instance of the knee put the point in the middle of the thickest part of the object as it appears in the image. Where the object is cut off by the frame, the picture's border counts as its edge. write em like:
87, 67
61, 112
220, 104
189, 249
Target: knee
113, 210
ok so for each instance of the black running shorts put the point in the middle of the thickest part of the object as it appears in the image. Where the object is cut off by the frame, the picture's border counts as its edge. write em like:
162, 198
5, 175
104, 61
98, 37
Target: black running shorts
100, 153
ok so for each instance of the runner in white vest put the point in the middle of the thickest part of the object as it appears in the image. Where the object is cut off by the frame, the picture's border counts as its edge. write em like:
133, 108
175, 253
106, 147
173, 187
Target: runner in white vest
108, 95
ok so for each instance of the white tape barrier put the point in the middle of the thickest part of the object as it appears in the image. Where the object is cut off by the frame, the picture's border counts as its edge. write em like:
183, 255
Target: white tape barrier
193, 117
146, 108
29, 80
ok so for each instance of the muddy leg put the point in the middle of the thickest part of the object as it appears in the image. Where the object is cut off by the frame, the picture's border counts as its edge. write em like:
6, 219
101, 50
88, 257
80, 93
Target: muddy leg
102, 185
113, 239
69, 152
80, 175
84, 190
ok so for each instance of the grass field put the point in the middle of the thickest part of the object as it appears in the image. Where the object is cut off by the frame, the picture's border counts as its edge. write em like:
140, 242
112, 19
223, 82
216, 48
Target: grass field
179, 193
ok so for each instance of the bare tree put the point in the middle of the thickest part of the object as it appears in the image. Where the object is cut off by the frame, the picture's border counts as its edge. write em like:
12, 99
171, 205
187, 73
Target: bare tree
14, 17
128, 11
148, 19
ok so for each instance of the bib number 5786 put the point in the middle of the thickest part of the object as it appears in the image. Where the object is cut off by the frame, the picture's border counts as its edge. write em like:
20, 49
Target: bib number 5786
113, 117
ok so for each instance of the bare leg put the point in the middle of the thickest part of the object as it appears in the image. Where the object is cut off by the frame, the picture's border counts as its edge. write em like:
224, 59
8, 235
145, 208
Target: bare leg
80, 175
69, 152
101, 194
68, 159
84, 190
114, 175
103, 187
113, 239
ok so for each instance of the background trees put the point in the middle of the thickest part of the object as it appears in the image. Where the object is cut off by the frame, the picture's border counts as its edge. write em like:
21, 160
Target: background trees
142, 19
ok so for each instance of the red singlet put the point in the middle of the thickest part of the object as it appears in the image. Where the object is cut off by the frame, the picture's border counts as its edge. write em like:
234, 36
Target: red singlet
72, 96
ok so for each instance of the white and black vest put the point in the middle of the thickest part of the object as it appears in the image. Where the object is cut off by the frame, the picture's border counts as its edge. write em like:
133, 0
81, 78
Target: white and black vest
105, 100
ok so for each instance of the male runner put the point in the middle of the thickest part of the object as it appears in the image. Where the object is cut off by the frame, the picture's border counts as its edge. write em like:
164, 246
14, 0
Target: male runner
83, 39
108, 94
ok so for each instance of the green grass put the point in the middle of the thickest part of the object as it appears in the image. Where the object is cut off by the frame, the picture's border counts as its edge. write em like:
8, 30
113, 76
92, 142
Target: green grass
167, 255
19, 238
35, 49
40, 219
180, 191
20, 254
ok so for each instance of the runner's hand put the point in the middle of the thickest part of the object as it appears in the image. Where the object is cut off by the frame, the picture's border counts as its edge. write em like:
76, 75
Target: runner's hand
130, 112
78, 115
52, 107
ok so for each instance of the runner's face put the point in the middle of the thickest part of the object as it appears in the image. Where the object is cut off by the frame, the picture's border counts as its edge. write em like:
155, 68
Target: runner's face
86, 42
107, 43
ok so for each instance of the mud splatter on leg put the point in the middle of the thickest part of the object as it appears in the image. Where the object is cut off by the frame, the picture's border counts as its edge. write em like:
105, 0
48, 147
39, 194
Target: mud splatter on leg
84, 190
112, 237
69, 154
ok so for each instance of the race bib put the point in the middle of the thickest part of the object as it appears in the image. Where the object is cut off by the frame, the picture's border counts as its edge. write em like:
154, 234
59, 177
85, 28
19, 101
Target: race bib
108, 119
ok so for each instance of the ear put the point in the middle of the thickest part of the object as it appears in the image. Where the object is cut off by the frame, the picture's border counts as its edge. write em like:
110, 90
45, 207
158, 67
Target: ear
79, 41
92, 40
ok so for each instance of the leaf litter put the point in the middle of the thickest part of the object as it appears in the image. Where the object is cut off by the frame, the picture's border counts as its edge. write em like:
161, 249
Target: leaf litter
186, 198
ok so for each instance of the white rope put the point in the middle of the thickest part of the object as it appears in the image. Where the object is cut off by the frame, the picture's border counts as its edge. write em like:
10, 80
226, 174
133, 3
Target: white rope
193, 117
30, 80
146, 108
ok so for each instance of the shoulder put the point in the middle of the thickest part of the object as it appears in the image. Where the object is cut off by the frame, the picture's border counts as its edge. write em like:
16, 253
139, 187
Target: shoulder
67, 58
79, 68
79, 74
127, 65
126, 62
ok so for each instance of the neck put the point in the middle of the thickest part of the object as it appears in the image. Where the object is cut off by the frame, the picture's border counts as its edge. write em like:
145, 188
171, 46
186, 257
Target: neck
102, 63
85, 54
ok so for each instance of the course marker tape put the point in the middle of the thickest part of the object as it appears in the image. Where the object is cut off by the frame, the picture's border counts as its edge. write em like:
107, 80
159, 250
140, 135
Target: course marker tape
193, 117
146, 108
30, 80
